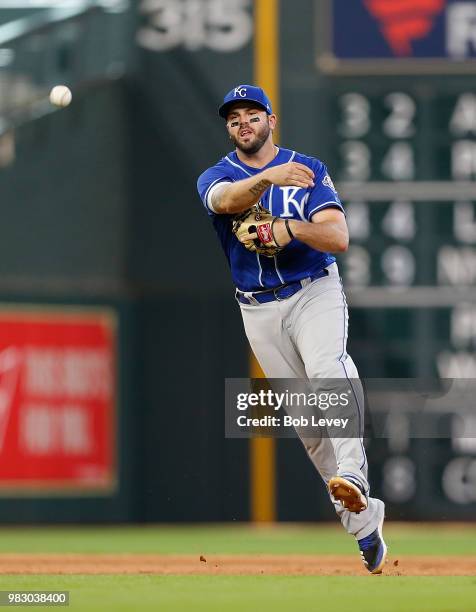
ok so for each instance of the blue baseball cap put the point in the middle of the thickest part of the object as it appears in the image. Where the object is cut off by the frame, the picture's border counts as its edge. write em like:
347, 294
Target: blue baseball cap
242, 93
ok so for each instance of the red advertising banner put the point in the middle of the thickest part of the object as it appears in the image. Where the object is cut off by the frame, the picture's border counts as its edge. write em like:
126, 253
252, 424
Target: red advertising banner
57, 399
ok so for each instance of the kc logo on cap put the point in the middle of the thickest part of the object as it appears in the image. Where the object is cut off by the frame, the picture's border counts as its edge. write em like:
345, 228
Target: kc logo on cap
245, 92
240, 91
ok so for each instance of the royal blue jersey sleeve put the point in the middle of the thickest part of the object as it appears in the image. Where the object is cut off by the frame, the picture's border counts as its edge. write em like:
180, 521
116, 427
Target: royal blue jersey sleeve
209, 180
323, 194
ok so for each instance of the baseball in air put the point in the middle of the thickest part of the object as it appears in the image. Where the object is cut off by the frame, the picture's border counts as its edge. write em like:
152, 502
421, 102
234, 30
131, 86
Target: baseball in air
61, 96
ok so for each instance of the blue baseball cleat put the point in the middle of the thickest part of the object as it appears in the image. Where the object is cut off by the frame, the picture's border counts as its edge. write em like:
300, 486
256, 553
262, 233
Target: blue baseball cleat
373, 549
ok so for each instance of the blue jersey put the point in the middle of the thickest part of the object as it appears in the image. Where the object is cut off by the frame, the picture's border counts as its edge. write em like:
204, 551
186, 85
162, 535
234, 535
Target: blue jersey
254, 272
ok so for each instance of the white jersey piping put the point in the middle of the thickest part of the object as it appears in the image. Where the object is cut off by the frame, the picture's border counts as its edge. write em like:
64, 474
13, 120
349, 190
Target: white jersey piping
322, 205
237, 166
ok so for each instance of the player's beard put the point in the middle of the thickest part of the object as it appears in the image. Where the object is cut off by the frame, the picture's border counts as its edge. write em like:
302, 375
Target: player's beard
260, 137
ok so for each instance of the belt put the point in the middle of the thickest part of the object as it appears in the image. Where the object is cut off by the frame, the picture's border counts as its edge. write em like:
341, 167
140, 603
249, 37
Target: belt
283, 292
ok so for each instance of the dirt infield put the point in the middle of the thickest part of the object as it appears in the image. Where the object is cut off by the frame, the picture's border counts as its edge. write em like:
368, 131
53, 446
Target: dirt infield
231, 565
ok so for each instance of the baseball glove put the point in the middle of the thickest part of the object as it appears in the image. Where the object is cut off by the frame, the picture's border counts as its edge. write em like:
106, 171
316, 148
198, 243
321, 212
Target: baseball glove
259, 221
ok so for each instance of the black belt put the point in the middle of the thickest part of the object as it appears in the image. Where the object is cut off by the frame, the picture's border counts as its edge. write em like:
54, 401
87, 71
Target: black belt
282, 292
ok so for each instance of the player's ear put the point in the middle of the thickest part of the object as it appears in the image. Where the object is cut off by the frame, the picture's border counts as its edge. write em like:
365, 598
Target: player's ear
273, 121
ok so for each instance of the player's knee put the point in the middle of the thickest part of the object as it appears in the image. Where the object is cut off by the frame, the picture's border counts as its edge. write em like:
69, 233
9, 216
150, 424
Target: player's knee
329, 370
333, 368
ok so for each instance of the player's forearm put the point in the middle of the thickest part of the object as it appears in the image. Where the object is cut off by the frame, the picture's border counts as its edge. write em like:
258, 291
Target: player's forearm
328, 236
241, 195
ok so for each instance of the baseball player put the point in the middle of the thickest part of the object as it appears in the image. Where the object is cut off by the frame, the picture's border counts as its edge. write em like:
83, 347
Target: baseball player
279, 219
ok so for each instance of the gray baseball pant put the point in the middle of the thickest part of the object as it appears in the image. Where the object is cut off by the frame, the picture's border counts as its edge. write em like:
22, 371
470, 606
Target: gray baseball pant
304, 337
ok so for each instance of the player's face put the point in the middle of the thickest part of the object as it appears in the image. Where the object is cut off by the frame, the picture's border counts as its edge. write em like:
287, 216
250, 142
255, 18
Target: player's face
248, 127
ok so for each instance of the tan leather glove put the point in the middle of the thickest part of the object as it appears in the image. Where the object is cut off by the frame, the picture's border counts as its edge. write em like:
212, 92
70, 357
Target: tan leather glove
254, 229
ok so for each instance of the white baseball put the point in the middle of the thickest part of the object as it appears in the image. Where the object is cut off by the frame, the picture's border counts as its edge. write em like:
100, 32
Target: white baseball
61, 96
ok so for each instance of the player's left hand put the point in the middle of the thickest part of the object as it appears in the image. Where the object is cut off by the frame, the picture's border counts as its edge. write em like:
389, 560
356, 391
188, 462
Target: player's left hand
281, 233
255, 229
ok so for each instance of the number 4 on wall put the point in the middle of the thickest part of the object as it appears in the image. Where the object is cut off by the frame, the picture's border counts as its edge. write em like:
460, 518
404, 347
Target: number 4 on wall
399, 221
